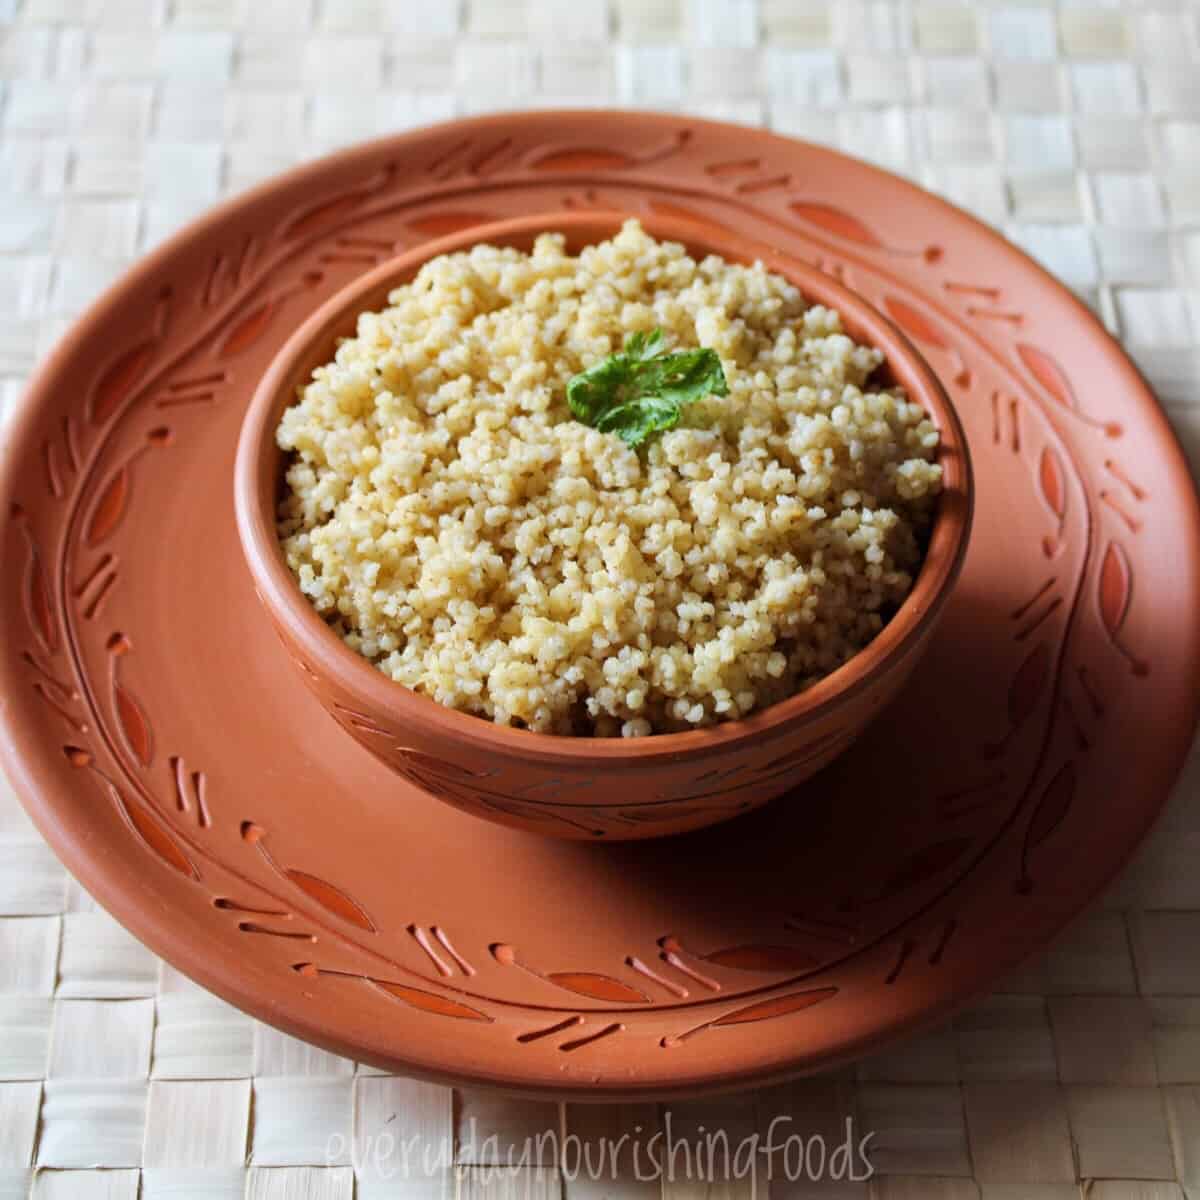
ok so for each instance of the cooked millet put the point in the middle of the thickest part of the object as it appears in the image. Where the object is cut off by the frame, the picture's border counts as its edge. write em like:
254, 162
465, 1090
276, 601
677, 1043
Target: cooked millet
453, 522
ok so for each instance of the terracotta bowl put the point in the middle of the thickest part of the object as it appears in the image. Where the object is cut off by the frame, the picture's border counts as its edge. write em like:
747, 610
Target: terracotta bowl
648, 786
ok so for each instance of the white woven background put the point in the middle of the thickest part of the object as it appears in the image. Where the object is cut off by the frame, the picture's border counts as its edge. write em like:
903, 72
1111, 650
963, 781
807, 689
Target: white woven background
1075, 128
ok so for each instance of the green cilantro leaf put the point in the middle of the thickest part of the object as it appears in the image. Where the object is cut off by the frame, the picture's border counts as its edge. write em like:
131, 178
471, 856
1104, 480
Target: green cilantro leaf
643, 389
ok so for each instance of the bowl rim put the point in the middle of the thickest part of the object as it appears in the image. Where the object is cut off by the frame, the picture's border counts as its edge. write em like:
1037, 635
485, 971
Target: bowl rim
255, 480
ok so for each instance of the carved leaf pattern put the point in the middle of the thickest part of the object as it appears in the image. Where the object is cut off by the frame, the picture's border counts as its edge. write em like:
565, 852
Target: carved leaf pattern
134, 724
1052, 482
430, 1002
154, 834
109, 508
597, 987
604, 158
583, 159
1048, 373
778, 1007
249, 329
1115, 588
1115, 592
1052, 807
39, 611
924, 865
914, 322
762, 958
117, 380
132, 720
330, 898
326, 212
836, 221
321, 214
113, 499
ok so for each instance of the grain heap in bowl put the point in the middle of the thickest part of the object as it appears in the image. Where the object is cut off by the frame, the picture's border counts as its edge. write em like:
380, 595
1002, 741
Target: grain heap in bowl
456, 525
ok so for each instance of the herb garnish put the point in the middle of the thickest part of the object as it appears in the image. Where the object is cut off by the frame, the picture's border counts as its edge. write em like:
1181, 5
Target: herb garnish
643, 389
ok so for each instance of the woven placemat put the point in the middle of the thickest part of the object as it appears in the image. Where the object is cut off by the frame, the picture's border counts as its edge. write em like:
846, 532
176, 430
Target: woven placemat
1074, 128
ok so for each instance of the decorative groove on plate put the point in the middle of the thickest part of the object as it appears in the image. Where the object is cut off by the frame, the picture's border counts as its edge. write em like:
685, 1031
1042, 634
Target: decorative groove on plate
847, 226
1043, 367
926, 333
116, 382
764, 1010
332, 899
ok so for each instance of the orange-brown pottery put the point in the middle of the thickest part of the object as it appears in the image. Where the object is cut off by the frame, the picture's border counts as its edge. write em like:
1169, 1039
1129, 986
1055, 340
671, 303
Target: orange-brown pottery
154, 727
594, 787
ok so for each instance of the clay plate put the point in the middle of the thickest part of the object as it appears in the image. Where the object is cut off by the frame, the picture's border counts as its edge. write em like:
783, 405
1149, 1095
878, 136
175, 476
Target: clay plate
159, 737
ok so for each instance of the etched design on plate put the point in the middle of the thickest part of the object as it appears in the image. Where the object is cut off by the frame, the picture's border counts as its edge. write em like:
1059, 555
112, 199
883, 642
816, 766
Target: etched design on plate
58, 470
418, 998
925, 332
227, 272
191, 788
141, 821
1118, 505
848, 227
1052, 484
245, 328
360, 251
922, 866
332, 899
58, 695
1039, 608
604, 158
111, 501
467, 157
131, 720
1115, 594
93, 589
116, 382
326, 212
1053, 379
589, 200
751, 957
574, 1043
908, 946
196, 390
764, 1010
591, 984
440, 949
1136, 491
440, 224
748, 176
1006, 421
35, 592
